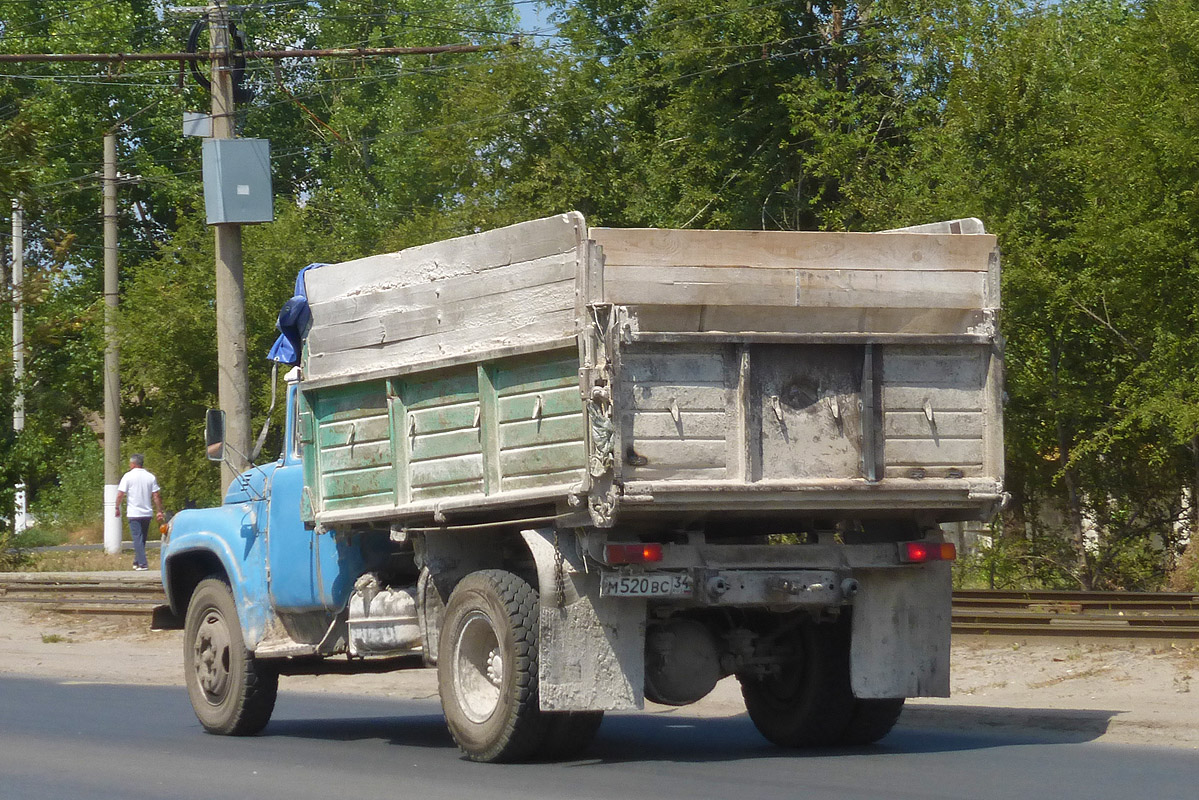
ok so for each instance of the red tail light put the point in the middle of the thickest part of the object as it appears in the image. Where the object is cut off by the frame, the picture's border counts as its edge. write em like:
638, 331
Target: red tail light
920, 552
633, 553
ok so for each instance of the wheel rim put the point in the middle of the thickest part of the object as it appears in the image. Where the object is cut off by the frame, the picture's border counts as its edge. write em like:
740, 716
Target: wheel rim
478, 667
211, 652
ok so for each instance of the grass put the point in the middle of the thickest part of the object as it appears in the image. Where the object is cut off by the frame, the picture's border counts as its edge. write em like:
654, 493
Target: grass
85, 561
53, 638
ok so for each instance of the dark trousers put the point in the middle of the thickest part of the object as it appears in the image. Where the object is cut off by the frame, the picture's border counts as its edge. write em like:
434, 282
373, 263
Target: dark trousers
138, 526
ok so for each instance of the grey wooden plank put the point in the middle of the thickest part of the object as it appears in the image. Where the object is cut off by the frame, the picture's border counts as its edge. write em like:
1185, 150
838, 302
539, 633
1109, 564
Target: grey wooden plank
366, 305
691, 424
511, 307
932, 472
806, 320
843, 288
926, 366
678, 365
443, 349
740, 286
465, 255
939, 452
661, 397
940, 399
953, 424
792, 249
730, 286
689, 453
649, 473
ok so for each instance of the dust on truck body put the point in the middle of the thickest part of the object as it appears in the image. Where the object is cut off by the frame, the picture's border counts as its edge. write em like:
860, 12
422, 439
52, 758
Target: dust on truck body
578, 468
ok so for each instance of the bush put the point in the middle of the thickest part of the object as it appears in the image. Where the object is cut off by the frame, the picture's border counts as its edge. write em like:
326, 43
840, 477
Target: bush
77, 501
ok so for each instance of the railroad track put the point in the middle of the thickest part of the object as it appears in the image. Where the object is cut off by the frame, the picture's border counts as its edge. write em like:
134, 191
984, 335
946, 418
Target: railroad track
976, 612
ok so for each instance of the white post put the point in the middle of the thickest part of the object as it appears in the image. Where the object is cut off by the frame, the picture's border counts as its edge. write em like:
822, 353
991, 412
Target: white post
20, 517
112, 523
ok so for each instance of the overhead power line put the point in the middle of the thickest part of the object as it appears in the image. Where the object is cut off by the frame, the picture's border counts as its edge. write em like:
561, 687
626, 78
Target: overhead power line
343, 52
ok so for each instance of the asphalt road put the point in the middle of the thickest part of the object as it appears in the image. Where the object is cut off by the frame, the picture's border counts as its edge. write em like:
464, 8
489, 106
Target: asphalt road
74, 741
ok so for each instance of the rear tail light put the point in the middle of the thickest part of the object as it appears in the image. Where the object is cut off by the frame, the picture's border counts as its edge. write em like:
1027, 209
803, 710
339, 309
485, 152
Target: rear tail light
633, 553
921, 552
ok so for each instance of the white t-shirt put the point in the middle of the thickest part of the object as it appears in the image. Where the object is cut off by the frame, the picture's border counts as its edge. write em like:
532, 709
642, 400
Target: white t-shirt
139, 486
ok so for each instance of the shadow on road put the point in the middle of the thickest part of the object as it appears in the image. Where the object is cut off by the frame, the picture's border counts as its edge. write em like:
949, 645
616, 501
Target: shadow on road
646, 738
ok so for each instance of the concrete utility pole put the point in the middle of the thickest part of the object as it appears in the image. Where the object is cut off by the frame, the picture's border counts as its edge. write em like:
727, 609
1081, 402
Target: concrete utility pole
18, 314
112, 358
18, 348
233, 384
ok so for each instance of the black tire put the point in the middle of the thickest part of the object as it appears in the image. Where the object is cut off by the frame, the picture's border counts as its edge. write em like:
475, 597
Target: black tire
871, 720
569, 733
809, 702
232, 693
487, 667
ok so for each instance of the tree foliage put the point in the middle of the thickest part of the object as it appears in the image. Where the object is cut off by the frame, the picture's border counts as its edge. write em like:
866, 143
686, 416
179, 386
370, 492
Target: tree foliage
1069, 128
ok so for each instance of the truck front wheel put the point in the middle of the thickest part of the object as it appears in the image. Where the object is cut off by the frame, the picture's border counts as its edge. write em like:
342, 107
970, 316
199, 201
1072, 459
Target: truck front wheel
807, 702
231, 692
487, 667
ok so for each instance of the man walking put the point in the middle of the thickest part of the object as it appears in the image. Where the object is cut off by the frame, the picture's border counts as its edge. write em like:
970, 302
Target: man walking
141, 488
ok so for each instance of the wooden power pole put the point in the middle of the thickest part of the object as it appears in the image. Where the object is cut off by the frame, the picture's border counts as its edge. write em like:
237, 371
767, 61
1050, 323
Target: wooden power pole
112, 374
233, 382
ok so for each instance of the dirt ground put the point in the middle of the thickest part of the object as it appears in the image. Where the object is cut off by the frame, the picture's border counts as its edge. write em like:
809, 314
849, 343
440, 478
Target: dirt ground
1134, 693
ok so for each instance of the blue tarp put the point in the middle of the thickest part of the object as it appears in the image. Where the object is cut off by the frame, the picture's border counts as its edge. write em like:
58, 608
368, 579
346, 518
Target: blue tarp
293, 320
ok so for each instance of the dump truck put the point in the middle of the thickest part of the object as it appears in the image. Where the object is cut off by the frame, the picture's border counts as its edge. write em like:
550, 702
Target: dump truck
580, 468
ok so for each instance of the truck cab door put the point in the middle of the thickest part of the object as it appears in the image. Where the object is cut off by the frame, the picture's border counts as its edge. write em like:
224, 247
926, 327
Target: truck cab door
306, 571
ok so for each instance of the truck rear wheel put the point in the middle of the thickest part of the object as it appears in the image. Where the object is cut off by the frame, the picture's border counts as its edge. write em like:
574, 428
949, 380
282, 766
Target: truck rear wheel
231, 692
808, 702
569, 733
872, 720
487, 667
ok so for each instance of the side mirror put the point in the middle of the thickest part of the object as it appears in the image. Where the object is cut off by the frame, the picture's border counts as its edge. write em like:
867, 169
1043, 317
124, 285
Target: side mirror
214, 434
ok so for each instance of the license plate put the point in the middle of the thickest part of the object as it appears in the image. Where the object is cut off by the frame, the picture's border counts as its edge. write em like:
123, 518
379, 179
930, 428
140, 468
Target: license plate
672, 584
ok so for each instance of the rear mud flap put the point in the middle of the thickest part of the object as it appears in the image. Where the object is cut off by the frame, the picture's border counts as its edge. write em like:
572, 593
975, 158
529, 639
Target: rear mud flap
592, 648
901, 632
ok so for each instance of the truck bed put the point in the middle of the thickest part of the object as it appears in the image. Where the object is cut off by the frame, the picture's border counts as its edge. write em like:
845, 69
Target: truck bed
553, 372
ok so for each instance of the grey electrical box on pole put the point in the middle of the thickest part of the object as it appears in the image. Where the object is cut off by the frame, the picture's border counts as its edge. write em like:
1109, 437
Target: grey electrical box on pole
237, 181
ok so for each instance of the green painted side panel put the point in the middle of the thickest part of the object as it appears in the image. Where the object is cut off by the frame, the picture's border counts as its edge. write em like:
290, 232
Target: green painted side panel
359, 483
439, 389
359, 431
355, 456
444, 445
350, 402
499, 426
554, 403
448, 470
536, 375
543, 459
542, 431
445, 419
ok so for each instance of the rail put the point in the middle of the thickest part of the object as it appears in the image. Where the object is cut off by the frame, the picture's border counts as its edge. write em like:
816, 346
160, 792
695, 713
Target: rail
976, 612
